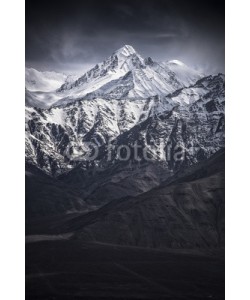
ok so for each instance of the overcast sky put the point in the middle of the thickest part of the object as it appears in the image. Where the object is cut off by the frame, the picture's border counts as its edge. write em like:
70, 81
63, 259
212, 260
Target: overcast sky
72, 36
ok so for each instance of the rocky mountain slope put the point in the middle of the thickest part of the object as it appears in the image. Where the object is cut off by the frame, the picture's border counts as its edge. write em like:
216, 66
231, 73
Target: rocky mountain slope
184, 212
153, 123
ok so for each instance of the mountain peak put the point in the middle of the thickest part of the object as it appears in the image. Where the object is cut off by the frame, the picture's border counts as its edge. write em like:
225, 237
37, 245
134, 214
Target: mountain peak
125, 74
126, 50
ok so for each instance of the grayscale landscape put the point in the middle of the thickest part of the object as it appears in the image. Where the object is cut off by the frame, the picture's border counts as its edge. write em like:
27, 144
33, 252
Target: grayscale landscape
125, 151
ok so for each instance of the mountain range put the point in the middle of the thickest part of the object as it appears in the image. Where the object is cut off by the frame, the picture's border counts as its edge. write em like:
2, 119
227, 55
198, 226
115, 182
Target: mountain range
127, 100
124, 75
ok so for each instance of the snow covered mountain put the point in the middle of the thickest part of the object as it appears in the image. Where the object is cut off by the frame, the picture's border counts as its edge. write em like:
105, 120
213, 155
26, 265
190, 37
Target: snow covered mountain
50, 133
124, 75
122, 102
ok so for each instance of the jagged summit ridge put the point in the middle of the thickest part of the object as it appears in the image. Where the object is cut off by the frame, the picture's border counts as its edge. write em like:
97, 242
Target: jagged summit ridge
123, 75
126, 75
126, 50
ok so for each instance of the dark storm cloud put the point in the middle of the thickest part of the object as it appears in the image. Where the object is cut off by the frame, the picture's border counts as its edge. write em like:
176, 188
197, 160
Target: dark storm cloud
73, 35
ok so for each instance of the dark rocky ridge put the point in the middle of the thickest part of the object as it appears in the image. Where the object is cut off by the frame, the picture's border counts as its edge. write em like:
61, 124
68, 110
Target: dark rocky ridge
187, 211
